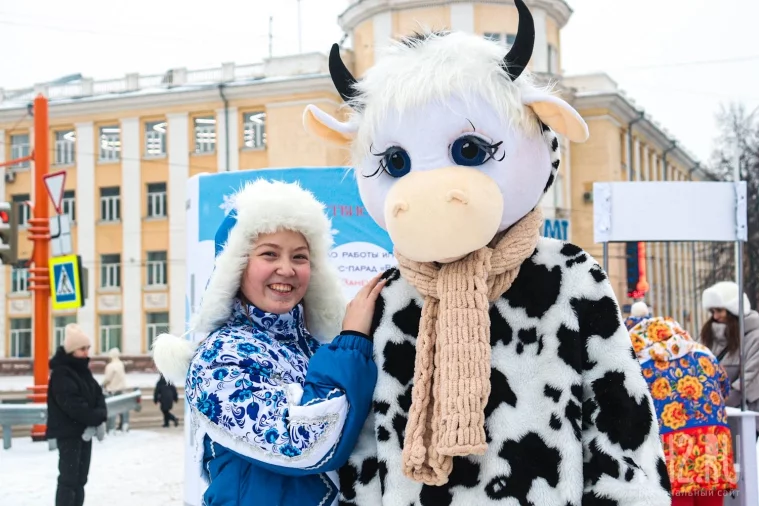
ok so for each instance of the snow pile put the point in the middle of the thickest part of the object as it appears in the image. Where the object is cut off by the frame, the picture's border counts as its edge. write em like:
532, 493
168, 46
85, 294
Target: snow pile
133, 379
144, 468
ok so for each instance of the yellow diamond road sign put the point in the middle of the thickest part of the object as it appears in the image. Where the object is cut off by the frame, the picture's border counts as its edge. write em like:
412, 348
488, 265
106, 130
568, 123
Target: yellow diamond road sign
66, 282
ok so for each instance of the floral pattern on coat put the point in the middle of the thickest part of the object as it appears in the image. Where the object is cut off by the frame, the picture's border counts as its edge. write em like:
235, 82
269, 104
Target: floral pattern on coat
689, 389
240, 377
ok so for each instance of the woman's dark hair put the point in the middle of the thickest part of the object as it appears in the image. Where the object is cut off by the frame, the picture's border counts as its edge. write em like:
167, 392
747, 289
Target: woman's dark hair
731, 333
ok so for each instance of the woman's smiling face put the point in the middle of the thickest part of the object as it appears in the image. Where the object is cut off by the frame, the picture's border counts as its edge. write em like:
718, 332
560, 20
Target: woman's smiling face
278, 271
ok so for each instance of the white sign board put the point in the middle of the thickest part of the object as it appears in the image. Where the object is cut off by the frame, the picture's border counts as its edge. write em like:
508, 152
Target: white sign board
669, 211
60, 236
55, 183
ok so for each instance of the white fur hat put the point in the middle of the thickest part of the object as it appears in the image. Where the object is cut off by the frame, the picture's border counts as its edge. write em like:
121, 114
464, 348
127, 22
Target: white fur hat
724, 295
261, 207
639, 309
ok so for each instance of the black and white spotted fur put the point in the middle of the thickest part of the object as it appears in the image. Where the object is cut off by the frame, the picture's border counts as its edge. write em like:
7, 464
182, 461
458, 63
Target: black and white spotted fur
570, 421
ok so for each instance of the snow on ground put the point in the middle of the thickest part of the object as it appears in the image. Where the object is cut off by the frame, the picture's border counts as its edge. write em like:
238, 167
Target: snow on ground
144, 468
20, 383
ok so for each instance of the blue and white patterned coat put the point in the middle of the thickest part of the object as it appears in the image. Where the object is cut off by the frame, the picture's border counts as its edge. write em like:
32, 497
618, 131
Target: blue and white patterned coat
274, 413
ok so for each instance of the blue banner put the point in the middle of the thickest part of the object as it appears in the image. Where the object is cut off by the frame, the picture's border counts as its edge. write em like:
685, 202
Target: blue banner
361, 249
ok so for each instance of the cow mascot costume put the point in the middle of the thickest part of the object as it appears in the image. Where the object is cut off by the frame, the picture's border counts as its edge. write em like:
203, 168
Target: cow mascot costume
506, 375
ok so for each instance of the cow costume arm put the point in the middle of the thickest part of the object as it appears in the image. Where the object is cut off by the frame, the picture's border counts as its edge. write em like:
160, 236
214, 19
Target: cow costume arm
623, 456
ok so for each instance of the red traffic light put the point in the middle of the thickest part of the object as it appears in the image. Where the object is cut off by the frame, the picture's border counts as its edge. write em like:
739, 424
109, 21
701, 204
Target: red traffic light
5, 217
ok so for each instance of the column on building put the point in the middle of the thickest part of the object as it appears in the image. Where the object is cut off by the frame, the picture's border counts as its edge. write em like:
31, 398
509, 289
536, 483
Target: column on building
382, 31
222, 148
85, 220
4, 331
540, 49
131, 229
179, 166
462, 17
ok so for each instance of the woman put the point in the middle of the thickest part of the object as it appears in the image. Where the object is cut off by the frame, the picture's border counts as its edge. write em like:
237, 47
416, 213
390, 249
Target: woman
721, 335
689, 390
166, 394
114, 382
75, 405
275, 407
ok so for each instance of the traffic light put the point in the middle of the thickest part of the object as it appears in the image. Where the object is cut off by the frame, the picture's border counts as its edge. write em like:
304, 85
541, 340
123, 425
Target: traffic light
8, 233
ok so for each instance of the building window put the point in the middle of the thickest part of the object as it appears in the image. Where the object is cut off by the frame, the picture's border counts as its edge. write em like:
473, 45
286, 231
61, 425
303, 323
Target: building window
20, 279
23, 211
110, 271
254, 130
65, 143
156, 268
156, 200
110, 332
68, 206
59, 329
508, 38
553, 60
158, 323
110, 204
21, 337
205, 134
155, 138
110, 143
20, 149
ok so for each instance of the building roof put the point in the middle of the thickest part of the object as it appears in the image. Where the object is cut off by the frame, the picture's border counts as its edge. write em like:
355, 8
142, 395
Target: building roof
601, 91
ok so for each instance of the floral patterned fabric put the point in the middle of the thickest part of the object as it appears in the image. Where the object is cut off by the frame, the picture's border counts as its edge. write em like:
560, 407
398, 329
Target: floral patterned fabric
246, 377
689, 388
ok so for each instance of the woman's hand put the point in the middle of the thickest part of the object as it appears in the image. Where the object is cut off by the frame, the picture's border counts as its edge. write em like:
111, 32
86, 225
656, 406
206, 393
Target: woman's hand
359, 313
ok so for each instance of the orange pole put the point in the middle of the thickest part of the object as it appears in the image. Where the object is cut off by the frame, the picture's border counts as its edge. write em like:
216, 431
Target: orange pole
39, 234
643, 285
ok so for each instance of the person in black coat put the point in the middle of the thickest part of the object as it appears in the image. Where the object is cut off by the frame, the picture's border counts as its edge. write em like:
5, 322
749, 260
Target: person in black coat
75, 402
166, 394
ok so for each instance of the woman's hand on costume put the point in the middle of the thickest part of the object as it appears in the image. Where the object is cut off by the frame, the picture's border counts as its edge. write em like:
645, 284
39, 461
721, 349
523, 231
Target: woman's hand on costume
359, 313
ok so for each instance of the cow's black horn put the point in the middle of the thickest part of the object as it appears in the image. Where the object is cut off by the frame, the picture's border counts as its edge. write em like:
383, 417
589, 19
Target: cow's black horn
519, 56
341, 76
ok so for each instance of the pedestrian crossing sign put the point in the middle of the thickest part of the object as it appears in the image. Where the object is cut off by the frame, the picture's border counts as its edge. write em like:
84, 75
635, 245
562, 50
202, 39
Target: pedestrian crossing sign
66, 282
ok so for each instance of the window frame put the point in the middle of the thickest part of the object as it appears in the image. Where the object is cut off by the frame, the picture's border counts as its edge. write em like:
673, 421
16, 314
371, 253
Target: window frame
105, 330
18, 333
110, 199
64, 149
210, 129
156, 269
156, 201
24, 151
155, 135
114, 138
257, 136
110, 271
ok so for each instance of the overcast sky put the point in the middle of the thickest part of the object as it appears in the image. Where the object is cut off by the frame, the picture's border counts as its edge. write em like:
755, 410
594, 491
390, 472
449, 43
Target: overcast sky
679, 59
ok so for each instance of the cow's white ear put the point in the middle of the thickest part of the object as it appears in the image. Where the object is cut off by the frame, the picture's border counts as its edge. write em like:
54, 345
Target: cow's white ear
324, 126
559, 115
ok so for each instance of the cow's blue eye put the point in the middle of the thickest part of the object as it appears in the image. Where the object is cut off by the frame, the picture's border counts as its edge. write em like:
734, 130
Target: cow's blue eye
396, 162
469, 151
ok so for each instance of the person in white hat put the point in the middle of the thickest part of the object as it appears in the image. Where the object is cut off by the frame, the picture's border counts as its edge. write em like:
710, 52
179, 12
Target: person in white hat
276, 400
75, 407
721, 334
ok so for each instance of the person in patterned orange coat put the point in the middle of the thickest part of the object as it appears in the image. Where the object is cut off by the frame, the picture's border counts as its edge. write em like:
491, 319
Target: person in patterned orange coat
689, 389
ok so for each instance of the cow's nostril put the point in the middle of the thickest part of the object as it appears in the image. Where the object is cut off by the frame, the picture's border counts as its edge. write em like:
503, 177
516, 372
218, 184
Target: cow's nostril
399, 207
457, 195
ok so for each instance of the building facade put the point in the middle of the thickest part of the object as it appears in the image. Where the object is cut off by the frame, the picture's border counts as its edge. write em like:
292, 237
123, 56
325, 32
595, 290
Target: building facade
129, 145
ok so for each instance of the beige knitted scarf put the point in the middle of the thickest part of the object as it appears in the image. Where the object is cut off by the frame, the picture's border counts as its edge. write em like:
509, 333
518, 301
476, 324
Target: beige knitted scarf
452, 366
